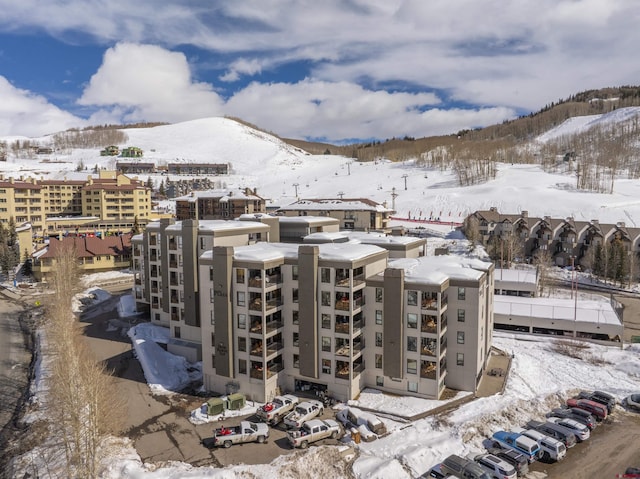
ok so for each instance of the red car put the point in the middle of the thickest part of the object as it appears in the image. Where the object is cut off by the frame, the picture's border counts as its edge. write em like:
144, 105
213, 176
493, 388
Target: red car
595, 408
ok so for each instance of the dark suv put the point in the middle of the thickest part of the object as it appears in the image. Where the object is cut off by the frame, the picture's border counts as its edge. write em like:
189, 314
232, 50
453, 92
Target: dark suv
601, 397
518, 460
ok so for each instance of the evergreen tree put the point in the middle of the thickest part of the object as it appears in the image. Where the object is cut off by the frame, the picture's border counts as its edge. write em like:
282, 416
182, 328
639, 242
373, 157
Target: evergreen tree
27, 268
162, 191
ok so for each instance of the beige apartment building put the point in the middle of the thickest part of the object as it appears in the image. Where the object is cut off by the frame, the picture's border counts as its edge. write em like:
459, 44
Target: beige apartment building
338, 317
110, 197
219, 204
359, 214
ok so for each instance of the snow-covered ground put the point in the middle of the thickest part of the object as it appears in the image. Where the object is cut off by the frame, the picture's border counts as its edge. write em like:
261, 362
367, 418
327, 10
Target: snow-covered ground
278, 170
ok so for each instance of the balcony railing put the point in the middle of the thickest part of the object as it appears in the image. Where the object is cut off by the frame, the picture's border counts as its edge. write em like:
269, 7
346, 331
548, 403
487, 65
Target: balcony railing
429, 325
358, 280
275, 369
358, 368
257, 373
343, 350
342, 328
273, 326
175, 317
342, 370
174, 299
273, 348
256, 349
173, 264
343, 305
173, 244
428, 370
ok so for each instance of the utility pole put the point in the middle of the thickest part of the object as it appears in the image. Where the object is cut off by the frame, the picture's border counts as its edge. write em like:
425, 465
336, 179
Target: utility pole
349, 167
295, 185
405, 176
341, 194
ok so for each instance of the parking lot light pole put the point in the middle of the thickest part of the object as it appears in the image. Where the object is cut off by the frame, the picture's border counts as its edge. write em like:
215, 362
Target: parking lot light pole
574, 279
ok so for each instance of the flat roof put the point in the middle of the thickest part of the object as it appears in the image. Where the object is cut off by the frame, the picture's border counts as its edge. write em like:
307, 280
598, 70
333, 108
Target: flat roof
437, 269
308, 220
592, 311
528, 276
221, 225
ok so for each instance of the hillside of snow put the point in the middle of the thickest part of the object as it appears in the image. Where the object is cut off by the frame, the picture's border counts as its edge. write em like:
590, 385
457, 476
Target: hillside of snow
279, 171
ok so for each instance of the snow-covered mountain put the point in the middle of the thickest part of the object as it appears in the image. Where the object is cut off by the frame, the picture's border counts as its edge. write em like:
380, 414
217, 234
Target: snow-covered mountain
279, 171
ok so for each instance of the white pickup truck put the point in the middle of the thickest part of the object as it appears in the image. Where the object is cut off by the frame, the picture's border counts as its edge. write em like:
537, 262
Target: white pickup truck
313, 431
245, 432
302, 413
273, 412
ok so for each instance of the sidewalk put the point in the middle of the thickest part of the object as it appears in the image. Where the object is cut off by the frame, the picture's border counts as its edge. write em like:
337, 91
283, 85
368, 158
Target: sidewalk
495, 375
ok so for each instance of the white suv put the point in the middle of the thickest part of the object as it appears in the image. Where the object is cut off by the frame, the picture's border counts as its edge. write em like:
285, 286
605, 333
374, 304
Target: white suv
496, 467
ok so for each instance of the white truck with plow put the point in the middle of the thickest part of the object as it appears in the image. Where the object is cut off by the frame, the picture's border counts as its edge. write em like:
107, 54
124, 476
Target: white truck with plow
313, 431
274, 411
245, 432
302, 413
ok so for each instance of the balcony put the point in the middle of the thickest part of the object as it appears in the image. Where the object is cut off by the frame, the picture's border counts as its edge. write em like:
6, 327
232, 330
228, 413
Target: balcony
256, 325
342, 324
256, 348
273, 348
358, 367
342, 304
274, 369
173, 244
358, 345
175, 317
430, 301
173, 264
429, 325
257, 373
342, 370
428, 370
428, 347
174, 299
273, 326
342, 347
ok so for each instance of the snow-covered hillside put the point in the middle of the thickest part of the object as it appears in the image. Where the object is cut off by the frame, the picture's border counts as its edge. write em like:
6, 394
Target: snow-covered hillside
278, 171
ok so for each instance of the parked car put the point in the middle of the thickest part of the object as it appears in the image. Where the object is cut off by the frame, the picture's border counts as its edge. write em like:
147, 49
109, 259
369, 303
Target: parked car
580, 415
516, 459
580, 430
601, 397
436, 472
303, 412
633, 402
496, 467
245, 432
551, 448
561, 433
464, 468
274, 411
313, 431
599, 411
518, 442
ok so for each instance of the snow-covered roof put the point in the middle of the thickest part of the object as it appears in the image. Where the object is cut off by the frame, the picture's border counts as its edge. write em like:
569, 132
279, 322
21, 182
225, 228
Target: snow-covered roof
308, 220
437, 269
326, 204
528, 276
223, 195
220, 225
556, 308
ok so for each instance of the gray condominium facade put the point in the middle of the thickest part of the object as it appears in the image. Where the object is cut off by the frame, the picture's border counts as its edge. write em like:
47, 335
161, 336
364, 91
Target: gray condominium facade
266, 317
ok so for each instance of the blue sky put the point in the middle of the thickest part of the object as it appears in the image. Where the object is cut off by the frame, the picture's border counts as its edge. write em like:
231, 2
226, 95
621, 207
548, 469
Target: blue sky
329, 70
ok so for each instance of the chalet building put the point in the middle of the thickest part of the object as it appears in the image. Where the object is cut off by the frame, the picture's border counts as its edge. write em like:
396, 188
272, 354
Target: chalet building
219, 204
566, 239
112, 198
110, 151
94, 254
360, 214
265, 316
197, 169
132, 152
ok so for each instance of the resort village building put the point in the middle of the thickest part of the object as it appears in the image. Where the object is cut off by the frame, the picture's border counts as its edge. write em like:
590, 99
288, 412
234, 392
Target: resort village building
267, 316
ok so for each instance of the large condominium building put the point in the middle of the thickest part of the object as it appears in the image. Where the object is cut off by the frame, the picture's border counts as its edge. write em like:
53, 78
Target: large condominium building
219, 204
108, 197
360, 214
337, 317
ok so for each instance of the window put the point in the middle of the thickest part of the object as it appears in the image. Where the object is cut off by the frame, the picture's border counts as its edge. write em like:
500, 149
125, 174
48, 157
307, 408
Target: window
242, 366
412, 387
242, 344
460, 337
326, 366
379, 340
242, 321
296, 339
460, 359
412, 366
461, 294
378, 361
326, 344
326, 321
240, 275
378, 316
412, 298
412, 320
294, 272
213, 340
378, 295
241, 298
412, 343
379, 381
461, 314
296, 361
325, 275
325, 298
176, 332
296, 319
294, 295
213, 361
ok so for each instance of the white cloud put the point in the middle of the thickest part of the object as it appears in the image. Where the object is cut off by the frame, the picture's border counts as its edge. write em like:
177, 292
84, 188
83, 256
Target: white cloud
152, 84
24, 113
242, 66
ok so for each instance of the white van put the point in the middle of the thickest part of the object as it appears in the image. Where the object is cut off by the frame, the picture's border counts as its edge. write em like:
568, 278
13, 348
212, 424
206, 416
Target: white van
552, 449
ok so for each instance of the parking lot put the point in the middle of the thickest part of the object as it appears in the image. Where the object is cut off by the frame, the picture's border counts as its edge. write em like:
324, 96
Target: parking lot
613, 447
